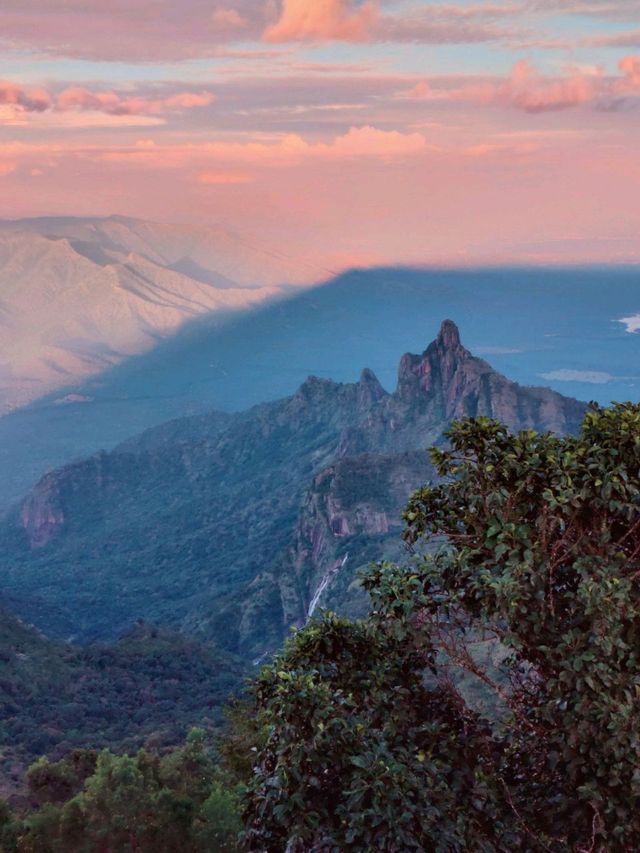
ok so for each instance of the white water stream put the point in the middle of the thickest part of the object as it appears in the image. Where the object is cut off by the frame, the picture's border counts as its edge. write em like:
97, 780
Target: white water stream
328, 576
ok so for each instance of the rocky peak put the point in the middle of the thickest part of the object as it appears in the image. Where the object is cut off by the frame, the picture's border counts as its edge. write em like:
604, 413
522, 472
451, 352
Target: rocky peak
448, 336
439, 372
314, 389
370, 391
447, 382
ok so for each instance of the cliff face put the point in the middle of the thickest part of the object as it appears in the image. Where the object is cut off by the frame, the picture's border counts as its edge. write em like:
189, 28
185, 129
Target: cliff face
41, 513
236, 527
352, 516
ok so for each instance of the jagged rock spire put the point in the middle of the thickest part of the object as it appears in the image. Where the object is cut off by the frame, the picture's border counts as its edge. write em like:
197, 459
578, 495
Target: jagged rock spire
436, 366
449, 335
370, 391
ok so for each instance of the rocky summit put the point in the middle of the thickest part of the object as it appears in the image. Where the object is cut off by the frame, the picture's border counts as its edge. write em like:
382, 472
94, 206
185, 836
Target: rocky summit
236, 527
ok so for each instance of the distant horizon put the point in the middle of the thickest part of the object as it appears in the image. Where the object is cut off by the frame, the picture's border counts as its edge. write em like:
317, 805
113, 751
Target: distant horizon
430, 264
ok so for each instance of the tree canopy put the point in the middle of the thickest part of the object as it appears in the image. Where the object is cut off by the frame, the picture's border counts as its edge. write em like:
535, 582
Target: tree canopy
94, 802
371, 732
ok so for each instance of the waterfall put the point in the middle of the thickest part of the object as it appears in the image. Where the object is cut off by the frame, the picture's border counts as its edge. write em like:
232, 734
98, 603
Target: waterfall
328, 576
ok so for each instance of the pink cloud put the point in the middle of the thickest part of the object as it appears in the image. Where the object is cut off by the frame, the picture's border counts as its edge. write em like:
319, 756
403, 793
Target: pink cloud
370, 142
628, 39
123, 30
630, 67
228, 21
6, 167
529, 91
322, 20
79, 98
152, 30
447, 24
346, 20
365, 143
419, 91
30, 100
489, 149
616, 10
20, 100
85, 119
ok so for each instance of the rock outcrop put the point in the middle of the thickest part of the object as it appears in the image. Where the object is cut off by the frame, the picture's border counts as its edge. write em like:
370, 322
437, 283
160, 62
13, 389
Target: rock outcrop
447, 382
41, 514
353, 509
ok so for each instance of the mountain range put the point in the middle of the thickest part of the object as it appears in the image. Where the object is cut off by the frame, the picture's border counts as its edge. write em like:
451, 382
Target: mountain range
561, 328
78, 296
233, 528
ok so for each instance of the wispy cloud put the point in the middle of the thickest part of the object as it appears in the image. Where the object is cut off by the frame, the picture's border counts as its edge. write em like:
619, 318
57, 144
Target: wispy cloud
615, 10
359, 142
140, 31
625, 39
528, 90
591, 377
20, 101
489, 350
223, 178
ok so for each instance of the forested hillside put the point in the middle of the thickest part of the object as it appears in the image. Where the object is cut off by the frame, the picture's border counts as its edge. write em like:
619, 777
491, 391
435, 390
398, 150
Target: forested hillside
148, 688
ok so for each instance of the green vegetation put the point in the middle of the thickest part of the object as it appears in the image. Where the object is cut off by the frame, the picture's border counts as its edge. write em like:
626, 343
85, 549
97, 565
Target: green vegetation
147, 689
177, 803
539, 549
213, 525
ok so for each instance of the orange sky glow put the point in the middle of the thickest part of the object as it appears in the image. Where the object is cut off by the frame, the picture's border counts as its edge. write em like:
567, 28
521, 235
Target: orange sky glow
343, 132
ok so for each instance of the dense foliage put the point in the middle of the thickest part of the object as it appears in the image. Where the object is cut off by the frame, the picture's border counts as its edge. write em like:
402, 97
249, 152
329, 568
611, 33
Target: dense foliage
365, 743
145, 690
104, 803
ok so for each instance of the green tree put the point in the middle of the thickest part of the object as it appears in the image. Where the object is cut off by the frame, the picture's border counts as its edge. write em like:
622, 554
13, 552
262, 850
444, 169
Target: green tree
120, 803
217, 825
362, 754
180, 802
534, 545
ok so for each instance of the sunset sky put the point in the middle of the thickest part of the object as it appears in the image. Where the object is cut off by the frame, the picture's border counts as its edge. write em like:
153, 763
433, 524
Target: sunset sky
340, 131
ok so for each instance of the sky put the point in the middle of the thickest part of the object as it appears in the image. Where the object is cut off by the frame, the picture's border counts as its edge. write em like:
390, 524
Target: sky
345, 132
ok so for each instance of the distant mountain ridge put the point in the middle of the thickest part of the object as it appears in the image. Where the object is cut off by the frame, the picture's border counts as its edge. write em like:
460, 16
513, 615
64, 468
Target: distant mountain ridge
78, 296
227, 526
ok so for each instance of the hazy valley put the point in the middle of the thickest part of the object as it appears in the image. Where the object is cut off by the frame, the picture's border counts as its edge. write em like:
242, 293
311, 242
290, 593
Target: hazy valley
224, 526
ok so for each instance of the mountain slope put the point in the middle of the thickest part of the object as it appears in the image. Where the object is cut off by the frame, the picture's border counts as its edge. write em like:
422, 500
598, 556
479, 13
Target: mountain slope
79, 295
202, 525
528, 322
150, 686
